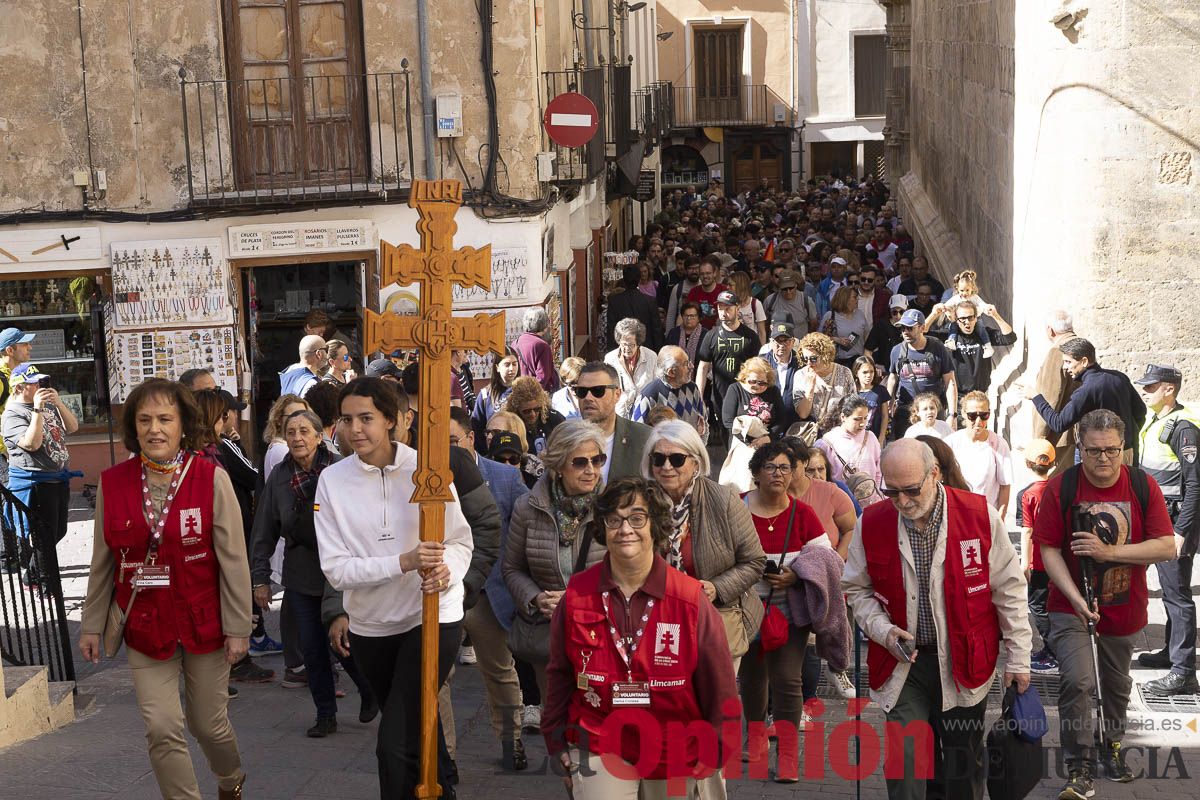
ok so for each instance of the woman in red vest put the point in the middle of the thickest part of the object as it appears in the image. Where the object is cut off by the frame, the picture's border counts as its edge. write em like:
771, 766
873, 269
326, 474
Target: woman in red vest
170, 555
633, 640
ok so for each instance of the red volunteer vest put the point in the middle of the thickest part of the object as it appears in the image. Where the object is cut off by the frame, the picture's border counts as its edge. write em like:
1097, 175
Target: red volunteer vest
666, 657
971, 620
189, 612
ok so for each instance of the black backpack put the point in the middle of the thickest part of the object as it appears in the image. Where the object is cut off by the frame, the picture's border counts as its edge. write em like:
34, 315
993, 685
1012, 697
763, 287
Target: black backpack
1070, 487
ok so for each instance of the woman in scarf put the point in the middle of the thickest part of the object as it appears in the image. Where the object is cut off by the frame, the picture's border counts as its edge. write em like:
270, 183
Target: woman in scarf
285, 510
712, 537
547, 531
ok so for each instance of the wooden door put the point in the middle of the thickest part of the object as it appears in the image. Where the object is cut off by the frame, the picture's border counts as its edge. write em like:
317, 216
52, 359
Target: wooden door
753, 162
296, 96
718, 61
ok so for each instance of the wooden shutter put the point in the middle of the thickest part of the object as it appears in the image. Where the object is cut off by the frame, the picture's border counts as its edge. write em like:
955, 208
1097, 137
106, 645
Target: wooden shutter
718, 65
870, 76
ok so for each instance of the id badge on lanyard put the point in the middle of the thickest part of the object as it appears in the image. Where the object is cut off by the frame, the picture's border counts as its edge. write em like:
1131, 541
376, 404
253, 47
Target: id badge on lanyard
151, 575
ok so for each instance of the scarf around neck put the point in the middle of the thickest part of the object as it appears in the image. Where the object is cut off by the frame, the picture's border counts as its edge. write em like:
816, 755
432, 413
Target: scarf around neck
569, 511
304, 481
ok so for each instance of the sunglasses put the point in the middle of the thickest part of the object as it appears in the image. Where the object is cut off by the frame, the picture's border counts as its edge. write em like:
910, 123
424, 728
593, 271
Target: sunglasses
896, 312
810, 359
756, 383
909, 491
635, 520
595, 391
513, 460
581, 462
852, 283
677, 459
974, 415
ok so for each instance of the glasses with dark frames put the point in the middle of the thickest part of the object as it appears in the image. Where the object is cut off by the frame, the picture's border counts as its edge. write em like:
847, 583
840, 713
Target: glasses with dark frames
909, 491
974, 415
581, 462
676, 460
595, 391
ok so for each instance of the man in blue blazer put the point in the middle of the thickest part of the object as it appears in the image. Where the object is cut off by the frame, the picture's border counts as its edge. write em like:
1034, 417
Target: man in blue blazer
488, 621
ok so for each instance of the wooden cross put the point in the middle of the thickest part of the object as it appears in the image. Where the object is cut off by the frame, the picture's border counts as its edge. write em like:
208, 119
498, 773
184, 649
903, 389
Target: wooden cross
434, 332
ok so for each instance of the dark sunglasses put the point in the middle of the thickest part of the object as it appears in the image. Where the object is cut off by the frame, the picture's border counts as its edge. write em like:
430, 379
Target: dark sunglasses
581, 462
909, 491
852, 283
514, 459
677, 459
897, 312
810, 359
974, 415
595, 391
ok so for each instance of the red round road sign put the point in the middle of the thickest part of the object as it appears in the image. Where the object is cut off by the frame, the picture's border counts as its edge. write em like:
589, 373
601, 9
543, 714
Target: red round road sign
571, 120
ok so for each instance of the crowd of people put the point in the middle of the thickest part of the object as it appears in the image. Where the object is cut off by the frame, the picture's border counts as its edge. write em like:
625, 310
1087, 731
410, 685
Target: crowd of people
784, 448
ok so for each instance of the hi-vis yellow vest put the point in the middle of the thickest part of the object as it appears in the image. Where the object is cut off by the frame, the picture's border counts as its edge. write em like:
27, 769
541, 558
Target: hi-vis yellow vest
1158, 459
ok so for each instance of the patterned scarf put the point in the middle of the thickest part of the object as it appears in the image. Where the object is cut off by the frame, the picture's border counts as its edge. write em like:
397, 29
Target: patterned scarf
570, 511
304, 481
681, 514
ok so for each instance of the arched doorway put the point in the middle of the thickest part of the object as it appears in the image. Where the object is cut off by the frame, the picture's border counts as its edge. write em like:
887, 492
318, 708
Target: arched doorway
683, 166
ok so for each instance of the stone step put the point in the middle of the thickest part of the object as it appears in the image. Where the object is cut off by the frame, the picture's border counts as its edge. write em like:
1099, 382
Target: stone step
17, 678
62, 703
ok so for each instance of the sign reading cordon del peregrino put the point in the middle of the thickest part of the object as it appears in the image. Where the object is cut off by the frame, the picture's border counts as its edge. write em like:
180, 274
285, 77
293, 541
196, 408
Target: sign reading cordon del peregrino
298, 238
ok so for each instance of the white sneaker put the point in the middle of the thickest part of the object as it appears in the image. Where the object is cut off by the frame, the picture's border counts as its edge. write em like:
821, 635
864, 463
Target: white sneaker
843, 684
531, 719
466, 655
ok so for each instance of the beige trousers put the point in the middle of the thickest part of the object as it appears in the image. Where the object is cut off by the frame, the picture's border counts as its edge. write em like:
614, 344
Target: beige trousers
206, 689
596, 783
497, 667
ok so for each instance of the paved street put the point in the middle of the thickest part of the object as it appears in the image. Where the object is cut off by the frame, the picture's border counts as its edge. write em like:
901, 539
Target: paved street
103, 754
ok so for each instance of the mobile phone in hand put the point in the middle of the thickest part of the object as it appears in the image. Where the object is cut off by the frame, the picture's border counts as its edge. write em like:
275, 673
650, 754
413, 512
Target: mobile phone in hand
905, 647
771, 568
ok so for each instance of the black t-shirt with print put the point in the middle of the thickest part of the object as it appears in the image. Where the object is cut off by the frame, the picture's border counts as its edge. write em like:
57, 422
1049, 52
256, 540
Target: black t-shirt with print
727, 350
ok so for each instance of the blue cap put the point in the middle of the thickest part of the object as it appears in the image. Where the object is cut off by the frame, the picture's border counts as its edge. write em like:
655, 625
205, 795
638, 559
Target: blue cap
912, 317
1029, 717
26, 373
11, 336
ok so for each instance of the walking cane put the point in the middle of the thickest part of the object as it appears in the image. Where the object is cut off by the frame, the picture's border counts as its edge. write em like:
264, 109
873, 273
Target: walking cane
1087, 568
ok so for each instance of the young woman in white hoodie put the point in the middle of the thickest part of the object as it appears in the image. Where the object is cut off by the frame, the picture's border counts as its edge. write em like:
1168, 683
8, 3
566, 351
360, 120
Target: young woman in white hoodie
367, 533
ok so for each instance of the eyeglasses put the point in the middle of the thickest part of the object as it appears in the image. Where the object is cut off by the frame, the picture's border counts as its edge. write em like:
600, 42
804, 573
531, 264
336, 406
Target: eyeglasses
530, 410
852, 283
636, 520
810, 359
581, 462
974, 415
677, 460
513, 459
1109, 453
897, 312
909, 491
777, 469
595, 391
753, 382
966, 319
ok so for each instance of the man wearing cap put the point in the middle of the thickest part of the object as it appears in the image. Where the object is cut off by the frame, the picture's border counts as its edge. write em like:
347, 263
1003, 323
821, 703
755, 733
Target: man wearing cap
780, 353
919, 364
1168, 447
15, 348
306, 373
724, 349
835, 280
885, 333
35, 426
789, 304
705, 295
385, 369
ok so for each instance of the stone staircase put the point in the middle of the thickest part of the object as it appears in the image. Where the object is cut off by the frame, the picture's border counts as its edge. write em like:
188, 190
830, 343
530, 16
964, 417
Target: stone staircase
31, 704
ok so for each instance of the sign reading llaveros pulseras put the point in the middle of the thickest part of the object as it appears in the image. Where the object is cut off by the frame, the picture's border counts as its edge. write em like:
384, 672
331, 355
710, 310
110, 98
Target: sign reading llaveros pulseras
281, 239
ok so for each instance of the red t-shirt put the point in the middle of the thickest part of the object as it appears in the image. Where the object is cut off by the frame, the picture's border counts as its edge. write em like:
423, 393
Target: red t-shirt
806, 526
708, 303
1115, 512
1031, 498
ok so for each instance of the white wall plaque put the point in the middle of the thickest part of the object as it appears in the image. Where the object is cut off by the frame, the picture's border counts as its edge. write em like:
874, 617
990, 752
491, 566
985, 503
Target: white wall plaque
298, 238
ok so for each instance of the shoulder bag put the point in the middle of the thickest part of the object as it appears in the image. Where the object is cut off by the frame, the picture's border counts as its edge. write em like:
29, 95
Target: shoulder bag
861, 485
114, 624
529, 638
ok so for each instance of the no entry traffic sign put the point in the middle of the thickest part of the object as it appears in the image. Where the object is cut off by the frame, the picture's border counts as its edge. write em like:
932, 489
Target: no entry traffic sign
571, 120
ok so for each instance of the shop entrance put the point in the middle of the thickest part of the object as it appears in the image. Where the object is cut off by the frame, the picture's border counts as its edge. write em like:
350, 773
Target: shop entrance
276, 298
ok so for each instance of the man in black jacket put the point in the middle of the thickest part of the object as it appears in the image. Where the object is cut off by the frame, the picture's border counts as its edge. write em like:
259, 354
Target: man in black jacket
1098, 388
630, 303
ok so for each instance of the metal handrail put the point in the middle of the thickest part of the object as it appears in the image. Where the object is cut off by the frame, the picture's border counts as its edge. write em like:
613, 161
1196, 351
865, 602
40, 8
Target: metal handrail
728, 106
33, 620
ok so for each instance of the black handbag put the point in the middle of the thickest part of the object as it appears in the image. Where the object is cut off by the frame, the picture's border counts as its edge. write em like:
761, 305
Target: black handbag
1014, 765
529, 638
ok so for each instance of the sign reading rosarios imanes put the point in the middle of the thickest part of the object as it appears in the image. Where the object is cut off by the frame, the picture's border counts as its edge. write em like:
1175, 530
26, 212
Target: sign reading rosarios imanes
285, 239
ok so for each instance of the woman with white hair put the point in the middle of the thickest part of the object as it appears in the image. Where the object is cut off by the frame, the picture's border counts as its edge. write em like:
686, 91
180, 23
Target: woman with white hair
548, 539
712, 535
635, 364
533, 351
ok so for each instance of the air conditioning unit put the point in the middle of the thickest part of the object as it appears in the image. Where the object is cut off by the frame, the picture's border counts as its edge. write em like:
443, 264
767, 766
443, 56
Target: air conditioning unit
780, 113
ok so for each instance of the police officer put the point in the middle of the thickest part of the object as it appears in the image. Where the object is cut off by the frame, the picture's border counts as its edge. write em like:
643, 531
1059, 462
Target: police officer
1168, 446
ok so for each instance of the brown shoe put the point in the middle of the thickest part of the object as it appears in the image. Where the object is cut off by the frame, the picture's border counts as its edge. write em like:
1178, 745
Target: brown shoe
232, 794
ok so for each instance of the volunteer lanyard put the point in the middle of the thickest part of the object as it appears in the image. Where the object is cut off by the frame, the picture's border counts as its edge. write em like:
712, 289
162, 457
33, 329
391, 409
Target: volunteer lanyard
619, 641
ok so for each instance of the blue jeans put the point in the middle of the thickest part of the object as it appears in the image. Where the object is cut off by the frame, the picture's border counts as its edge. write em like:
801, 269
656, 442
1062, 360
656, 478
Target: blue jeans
306, 609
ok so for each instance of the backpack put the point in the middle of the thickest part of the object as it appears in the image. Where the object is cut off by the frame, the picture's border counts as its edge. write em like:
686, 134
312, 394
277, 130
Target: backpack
1070, 488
